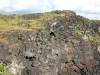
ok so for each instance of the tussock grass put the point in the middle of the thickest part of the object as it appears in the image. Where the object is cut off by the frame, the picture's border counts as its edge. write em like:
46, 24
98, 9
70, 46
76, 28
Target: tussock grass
9, 24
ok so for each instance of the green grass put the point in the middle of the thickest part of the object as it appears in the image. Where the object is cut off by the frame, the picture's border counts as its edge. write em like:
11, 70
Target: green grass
7, 23
3, 67
95, 38
99, 30
50, 15
3, 70
90, 37
78, 31
7, 73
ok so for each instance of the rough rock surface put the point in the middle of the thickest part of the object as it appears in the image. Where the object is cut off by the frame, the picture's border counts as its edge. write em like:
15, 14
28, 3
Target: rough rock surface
65, 47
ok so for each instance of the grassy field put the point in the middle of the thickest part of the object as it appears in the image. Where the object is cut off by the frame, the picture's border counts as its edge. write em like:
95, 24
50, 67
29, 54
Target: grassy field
16, 22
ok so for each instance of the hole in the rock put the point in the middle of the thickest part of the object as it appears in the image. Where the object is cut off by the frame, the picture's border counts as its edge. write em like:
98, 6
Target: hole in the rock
66, 62
32, 65
52, 34
66, 41
30, 58
56, 54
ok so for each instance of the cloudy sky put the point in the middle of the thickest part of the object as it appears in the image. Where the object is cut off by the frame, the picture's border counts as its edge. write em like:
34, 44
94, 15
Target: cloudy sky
87, 8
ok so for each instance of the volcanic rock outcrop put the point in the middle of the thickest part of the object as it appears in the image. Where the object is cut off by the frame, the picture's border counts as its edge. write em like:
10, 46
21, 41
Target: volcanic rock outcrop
68, 45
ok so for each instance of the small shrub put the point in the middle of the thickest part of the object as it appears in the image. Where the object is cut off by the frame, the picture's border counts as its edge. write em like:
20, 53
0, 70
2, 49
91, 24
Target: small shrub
3, 67
95, 38
77, 31
90, 37
4, 71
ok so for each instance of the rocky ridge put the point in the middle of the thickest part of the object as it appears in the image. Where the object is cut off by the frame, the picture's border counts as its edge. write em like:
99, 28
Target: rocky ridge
69, 44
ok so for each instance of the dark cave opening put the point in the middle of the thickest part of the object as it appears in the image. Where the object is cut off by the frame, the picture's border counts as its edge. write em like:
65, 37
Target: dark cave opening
52, 34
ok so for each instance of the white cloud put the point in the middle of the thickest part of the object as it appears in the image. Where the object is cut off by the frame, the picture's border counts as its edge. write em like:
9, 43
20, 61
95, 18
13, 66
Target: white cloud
90, 7
18, 5
3, 4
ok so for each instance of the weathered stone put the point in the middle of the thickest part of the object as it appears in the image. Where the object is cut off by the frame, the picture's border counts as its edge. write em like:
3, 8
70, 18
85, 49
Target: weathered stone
98, 48
63, 47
